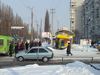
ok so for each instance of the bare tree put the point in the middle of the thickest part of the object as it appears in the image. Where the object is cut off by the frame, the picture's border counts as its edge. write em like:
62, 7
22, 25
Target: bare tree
7, 19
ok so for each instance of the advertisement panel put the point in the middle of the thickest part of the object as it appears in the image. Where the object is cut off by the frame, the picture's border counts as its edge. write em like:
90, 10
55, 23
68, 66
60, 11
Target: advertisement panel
46, 34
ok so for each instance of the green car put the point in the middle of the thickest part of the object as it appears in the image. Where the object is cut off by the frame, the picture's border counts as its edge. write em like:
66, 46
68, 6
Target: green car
43, 53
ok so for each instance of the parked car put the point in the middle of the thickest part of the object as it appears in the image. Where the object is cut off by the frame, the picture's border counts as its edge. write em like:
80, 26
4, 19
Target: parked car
43, 53
97, 45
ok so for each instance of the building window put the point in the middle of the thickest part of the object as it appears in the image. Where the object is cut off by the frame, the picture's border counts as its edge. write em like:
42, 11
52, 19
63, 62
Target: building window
93, 28
72, 21
72, 6
72, 18
97, 13
73, 3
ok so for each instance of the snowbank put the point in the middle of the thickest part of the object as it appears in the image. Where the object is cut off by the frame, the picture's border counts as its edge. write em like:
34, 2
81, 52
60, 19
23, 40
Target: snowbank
76, 68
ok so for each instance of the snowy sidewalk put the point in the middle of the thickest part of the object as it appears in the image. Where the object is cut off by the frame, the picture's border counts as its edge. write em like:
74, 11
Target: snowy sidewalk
84, 53
77, 51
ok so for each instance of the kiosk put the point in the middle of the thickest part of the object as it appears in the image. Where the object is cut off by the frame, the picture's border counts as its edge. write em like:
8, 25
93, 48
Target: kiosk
63, 37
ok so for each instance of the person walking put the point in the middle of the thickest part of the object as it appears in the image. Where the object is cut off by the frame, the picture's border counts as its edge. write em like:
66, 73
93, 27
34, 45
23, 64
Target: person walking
69, 49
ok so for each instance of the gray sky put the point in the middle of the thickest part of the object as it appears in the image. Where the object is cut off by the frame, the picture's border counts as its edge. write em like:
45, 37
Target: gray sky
61, 16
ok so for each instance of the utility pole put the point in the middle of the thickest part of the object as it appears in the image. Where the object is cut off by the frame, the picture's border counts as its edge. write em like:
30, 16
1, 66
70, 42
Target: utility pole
31, 23
52, 13
31, 8
41, 29
58, 25
37, 30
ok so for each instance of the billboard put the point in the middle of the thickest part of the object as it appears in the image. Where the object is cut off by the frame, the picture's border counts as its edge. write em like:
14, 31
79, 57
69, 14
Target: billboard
85, 42
46, 34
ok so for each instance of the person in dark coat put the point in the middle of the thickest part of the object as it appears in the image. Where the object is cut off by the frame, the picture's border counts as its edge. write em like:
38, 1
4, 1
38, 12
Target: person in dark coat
26, 45
92, 43
21, 46
57, 43
31, 44
11, 49
69, 49
16, 48
39, 43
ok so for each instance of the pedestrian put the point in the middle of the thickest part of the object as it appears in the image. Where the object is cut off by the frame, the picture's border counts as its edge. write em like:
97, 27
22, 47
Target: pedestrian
21, 46
31, 44
69, 49
11, 49
26, 45
57, 43
16, 48
39, 43
92, 43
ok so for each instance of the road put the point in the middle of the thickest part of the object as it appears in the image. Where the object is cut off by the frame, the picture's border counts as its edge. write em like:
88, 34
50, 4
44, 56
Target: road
7, 61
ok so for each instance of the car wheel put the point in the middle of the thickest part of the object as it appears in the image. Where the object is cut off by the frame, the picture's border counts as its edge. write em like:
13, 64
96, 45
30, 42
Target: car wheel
45, 59
20, 58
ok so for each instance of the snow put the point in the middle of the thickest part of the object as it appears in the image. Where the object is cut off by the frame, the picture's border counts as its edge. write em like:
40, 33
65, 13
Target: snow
83, 48
75, 68
77, 51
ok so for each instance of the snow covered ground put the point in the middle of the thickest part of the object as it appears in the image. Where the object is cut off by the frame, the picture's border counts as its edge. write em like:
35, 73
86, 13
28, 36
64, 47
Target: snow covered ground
78, 51
75, 68
83, 48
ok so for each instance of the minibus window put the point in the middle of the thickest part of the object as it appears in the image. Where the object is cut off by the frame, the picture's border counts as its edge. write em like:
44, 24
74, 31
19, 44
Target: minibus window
1, 42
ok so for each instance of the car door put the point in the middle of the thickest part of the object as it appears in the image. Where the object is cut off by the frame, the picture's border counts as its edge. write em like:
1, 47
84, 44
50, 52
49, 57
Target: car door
43, 53
32, 54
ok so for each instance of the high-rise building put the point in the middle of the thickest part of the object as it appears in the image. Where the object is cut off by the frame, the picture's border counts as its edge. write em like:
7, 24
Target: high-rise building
76, 7
92, 19
85, 19
72, 14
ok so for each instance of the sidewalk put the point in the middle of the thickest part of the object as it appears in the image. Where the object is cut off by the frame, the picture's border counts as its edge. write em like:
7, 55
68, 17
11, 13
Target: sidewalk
76, 53
79, 54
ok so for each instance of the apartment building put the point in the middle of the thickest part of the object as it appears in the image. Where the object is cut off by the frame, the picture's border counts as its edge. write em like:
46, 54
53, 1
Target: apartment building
92, 19
72, 14
76, 23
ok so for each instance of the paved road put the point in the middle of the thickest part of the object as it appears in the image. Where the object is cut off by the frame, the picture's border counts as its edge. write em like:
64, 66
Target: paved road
11, 62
